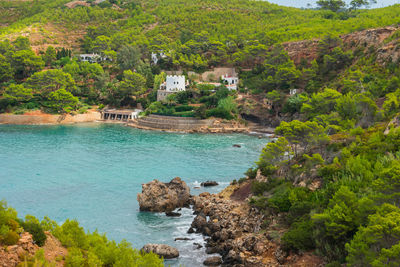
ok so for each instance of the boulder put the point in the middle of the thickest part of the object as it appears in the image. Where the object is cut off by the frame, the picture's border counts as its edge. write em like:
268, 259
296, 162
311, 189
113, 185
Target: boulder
158, 196
162, 250
199, 222
237, 145
213, 261
209, 183
172, 214
197, 245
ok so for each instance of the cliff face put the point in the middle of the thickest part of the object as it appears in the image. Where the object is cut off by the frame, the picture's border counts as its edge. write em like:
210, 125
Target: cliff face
308, 49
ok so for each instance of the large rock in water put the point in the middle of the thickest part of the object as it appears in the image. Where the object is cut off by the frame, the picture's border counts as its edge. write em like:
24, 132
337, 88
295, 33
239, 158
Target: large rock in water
160, 197
162, 250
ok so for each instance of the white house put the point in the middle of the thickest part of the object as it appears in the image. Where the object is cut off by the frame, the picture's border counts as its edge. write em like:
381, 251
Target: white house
293, 91
93, 58
230, 81
155, 57
173, 84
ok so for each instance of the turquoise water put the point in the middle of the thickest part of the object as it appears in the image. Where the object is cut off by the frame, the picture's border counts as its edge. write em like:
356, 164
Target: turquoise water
93, 173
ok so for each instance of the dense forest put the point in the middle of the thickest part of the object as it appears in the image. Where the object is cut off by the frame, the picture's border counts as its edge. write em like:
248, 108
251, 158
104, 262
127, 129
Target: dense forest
332, 175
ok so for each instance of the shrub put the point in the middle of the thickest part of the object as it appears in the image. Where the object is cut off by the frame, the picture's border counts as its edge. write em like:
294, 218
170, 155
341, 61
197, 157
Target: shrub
251, 173
36, 231
242, 180
259, 202
183, 108
261, 187
258, 188
219, 113
201, 112
13, 225
298, 210
299, 237
280, 199
11, 238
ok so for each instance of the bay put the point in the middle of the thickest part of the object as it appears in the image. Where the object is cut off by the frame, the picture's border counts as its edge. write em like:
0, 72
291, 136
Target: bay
93, 173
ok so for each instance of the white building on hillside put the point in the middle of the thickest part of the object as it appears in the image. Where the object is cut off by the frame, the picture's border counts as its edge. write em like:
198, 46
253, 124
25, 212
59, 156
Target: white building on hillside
155, 57
93, 58
230, 81
173, 84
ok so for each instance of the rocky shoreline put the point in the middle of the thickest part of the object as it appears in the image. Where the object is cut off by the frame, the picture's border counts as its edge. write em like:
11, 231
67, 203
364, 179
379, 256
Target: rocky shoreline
231, 227
39, 118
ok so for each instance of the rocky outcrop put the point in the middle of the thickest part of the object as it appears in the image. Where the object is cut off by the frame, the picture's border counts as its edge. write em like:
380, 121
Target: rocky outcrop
10, 256
209, 183
160, 197
213, 261
162, 250
172, 214
301, 50
233, 230
308, 49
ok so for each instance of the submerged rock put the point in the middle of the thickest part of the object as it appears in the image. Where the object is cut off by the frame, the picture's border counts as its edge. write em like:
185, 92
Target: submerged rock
197, 245
209, 183
182, 239
213, 261
162, 250
172, 214
158, 196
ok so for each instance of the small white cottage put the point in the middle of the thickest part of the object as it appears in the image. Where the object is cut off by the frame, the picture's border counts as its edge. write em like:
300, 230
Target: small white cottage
231, 82
172, 84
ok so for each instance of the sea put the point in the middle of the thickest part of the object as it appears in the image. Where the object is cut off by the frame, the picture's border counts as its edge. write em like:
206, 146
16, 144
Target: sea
93, 173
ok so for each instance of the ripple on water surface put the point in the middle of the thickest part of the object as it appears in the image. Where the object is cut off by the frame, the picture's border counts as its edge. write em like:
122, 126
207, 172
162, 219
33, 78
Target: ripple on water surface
93, 173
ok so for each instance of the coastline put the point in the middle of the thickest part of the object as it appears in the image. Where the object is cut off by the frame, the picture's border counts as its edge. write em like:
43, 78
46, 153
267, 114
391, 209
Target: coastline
39, 118
233, 231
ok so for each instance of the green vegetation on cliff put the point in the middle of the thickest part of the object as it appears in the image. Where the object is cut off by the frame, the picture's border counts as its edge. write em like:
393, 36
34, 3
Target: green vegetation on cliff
84, 249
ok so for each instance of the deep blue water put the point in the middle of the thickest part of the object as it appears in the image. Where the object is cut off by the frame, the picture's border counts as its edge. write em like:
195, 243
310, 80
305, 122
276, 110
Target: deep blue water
93, 172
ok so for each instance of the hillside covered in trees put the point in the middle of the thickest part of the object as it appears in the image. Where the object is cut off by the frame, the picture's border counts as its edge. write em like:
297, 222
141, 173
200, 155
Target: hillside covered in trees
331, 178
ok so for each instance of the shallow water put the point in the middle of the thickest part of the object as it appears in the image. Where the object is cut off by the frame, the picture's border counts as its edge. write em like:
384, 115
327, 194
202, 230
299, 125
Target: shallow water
93, 172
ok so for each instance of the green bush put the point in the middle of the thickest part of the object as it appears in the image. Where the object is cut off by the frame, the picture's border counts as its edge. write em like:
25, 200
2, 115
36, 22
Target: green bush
183, 108
280, 199
299, 237
298, 210
36, 231
242, 180
184, 114
258, 188
251, 173
219, 112
261, 187
259, 202
11, 238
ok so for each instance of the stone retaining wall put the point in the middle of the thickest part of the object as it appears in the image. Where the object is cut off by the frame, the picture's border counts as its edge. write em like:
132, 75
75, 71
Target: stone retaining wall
172, 123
